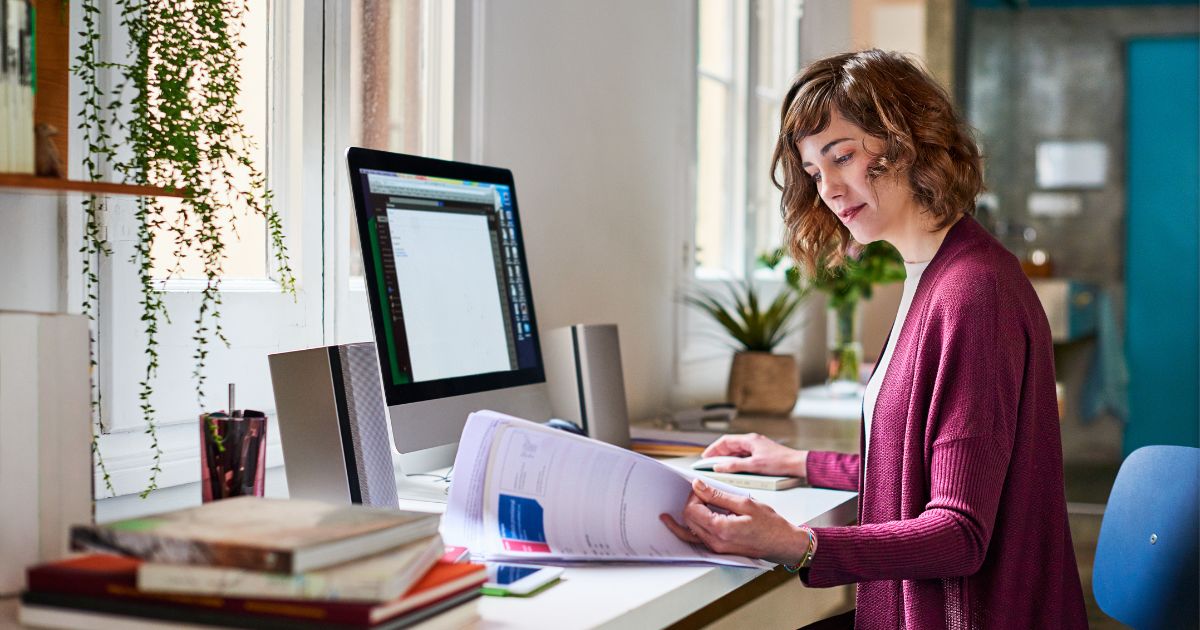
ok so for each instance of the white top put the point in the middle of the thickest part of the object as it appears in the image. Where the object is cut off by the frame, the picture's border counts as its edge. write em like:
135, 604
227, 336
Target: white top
911, 280
646, 595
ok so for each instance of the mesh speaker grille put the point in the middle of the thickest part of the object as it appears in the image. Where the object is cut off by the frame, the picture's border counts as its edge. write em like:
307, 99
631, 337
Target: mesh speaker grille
368, 419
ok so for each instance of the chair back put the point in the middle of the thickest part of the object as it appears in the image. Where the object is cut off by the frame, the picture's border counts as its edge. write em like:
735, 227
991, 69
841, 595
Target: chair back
1145, 574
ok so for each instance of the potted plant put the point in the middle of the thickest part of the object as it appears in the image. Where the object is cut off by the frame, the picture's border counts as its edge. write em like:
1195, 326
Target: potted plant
846, 284
760, 382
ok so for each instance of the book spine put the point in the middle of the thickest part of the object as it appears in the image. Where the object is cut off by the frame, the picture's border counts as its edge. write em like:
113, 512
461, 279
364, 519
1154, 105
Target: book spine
16, 86
84, 585
216, 581
175, 551
375, 578
7, 74
24, 130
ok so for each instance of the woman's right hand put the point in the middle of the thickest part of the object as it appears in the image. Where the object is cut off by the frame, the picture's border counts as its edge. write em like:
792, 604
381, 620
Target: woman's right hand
758, 454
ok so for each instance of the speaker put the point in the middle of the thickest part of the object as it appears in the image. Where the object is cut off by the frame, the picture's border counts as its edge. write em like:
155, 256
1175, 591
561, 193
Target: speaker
587, 387
333, 425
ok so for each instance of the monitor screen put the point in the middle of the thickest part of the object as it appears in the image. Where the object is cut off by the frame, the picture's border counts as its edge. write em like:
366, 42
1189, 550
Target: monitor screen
446, 276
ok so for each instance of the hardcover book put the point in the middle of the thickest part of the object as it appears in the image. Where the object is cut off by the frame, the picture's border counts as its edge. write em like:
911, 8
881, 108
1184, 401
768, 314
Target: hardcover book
53, 610
380, 577
278, 535
103, 583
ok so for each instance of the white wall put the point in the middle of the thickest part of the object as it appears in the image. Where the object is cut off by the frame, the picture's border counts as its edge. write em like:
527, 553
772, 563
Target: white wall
30, 254
825, 29
589, 103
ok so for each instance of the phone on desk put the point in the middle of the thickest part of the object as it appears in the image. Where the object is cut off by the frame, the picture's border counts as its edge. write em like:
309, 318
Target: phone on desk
520, 580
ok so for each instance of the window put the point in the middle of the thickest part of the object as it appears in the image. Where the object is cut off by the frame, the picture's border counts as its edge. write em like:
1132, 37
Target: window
247, 254
317, 77
401, 88
747, 54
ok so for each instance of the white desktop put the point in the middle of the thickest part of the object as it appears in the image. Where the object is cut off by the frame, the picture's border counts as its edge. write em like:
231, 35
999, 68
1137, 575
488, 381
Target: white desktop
451, 304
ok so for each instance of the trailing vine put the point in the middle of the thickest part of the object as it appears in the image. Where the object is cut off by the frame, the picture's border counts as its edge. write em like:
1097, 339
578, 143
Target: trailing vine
98, 149
175, 106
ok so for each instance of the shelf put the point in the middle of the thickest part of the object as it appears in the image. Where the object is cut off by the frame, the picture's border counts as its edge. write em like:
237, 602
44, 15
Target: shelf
50, 106
10, 182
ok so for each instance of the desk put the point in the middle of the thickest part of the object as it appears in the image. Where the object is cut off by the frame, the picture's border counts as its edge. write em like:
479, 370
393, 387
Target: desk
654, 595
649, 595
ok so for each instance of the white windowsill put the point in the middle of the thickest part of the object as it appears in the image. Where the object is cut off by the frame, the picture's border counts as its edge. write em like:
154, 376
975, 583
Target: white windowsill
128, 458
233, 285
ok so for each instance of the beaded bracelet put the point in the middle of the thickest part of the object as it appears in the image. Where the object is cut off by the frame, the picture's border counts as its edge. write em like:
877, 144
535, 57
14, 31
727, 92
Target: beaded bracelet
809, 550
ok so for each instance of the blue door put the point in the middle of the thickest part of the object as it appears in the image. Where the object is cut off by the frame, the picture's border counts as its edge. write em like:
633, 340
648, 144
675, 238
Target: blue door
1161, 247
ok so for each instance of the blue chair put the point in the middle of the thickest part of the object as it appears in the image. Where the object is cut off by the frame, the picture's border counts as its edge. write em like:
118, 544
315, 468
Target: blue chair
1145, 574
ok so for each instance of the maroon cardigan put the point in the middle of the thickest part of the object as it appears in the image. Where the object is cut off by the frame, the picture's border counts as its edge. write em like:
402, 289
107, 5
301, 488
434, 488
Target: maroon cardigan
963, 519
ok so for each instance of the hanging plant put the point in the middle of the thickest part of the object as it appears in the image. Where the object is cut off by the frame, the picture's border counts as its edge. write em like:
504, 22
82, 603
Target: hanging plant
174, 105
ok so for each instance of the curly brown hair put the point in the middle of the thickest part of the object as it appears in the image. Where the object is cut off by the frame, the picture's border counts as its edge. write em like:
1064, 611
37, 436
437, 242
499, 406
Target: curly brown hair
893, 99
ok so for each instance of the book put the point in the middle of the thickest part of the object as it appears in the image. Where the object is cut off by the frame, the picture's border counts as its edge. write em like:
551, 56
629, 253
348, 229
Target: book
380, 577
17, 86
673, 436
456, 554
526, 492
669, 442
109, 583
279, 535
54, 610
753, 482
655, 448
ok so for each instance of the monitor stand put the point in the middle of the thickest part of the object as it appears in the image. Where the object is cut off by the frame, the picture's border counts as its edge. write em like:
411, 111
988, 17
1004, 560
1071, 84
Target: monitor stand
432, 487
425, 475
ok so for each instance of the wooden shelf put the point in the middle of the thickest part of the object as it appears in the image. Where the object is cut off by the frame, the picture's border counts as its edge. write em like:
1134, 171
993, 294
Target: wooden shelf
50, 106
11, 182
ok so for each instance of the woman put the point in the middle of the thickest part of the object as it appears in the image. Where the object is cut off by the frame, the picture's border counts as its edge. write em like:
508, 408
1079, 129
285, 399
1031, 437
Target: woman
962, 516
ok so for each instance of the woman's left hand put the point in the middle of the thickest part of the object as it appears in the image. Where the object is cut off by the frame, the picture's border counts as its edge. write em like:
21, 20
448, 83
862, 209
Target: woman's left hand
749, 529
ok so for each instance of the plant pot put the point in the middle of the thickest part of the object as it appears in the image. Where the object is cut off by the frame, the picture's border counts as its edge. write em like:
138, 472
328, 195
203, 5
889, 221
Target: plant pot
763, 383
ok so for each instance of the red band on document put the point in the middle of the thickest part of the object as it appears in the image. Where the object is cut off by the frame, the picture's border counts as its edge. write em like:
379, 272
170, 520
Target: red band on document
523, 545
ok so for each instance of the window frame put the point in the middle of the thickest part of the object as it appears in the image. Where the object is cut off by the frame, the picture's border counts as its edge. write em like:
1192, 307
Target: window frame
736, 124
701, 342
306, 101
347, 299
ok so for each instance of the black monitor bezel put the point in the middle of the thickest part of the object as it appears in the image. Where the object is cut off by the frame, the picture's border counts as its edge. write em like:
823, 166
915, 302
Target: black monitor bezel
357, 159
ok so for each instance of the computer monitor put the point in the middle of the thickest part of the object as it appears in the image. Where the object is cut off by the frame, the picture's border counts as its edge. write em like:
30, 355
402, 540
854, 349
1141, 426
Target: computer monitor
451, 304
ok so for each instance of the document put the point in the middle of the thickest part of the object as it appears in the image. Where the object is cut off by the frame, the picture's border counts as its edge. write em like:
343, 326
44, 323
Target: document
526, 492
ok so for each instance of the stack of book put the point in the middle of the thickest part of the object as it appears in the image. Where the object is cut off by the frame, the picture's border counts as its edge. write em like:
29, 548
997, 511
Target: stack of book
257, 563
669, 442
17, 81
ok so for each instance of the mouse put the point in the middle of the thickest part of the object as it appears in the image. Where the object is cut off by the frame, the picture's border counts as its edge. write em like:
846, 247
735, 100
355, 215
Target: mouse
565, 425
708, 463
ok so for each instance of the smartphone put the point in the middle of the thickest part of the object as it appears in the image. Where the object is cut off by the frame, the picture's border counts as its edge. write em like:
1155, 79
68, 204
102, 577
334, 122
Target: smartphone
518, 579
